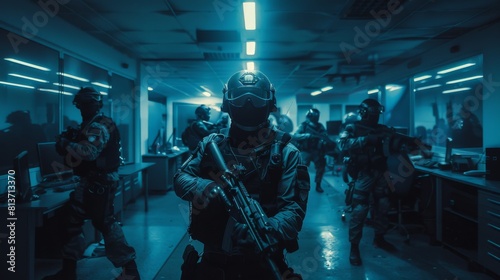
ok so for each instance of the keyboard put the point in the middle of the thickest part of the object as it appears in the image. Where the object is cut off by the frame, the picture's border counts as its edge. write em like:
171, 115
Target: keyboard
427, 163
59, 183
64, 188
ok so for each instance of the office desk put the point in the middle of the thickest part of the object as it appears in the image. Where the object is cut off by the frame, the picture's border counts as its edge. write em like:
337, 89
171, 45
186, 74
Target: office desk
468, 216
131, 169
27, 217
166, 166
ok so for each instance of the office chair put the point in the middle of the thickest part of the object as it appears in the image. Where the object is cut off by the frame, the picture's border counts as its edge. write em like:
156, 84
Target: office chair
405, 205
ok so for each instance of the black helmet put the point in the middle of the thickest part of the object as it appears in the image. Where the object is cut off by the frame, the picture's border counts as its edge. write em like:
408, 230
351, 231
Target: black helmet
370, 110
203, 112
249, 99
350, 118
87, 97
313, 115
19, 118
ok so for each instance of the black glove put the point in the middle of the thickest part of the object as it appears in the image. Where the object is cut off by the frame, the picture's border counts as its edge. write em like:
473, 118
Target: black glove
61, 145
241, 236
212, 192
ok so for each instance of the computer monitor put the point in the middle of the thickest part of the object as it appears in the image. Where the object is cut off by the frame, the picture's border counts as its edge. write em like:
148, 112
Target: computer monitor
333, 127
21, 178
52, 165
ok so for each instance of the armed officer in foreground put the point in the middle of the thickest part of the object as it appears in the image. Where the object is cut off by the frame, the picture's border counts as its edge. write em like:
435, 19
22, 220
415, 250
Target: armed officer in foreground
94, 153
263, 174
362, 143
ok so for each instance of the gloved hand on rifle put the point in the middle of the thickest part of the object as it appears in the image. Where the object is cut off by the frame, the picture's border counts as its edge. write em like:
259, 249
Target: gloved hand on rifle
212, 192
241, 237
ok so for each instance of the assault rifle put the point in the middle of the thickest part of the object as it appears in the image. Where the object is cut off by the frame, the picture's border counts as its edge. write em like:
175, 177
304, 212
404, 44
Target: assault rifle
325, 143
248, 209
70, 133
395, 142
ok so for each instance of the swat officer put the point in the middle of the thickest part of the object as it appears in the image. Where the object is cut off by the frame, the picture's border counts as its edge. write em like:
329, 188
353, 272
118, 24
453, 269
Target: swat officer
94, 153
312, 141
202, 127
367, 164
229, 250
199, 128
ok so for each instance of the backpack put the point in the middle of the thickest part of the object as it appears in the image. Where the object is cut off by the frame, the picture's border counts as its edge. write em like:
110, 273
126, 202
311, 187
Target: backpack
189, 137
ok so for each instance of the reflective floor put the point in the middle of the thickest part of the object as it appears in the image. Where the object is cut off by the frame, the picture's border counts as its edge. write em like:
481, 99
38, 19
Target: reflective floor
159, 239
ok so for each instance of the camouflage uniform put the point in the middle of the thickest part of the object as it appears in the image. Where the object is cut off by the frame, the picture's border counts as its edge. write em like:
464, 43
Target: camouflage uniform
95, 157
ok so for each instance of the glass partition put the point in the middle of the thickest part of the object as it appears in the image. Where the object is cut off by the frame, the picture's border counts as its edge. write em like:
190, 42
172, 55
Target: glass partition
448, 104
37, 88
29, 111
77, 74
397, 105
122, 105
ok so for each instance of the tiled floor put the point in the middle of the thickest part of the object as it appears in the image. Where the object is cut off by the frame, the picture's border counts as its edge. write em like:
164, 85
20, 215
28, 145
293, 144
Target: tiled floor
159, 238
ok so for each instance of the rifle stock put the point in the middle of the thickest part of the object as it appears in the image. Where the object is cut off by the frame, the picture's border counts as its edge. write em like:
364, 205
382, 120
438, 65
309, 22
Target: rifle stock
247, 208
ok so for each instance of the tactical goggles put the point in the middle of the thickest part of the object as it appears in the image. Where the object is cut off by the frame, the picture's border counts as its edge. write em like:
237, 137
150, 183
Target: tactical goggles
240, 96
372, 110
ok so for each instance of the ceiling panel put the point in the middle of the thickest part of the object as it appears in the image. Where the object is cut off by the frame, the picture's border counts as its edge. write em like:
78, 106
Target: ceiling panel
300, 44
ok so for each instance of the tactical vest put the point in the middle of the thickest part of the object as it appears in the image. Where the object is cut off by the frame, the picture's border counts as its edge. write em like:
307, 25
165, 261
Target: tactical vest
260, 170
109, 158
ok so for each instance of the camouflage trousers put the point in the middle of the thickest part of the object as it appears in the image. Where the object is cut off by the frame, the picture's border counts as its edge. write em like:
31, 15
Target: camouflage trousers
95, 201
370, 191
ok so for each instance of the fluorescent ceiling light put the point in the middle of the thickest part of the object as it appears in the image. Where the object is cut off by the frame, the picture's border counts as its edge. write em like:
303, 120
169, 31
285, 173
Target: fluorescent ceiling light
317, 92
456, 68
206, 93
101, 85
28, 78
72, 77
327, 88
67, 86
150, 88
16, 85
372, 91
428, 87
27, 64
392, 87
249, 15
416, 79
55, 91
103, 93
250, 66
464, 79
456, 90
251, 47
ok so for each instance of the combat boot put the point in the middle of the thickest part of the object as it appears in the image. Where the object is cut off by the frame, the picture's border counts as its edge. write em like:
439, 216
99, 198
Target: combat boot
318, 188
355, 256
380, 242
129, 272
68, 271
